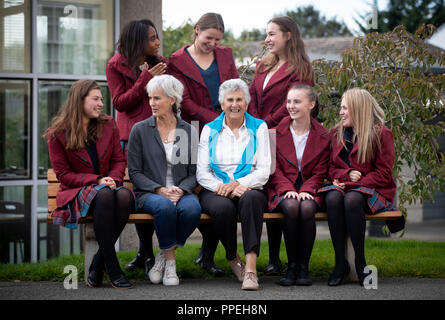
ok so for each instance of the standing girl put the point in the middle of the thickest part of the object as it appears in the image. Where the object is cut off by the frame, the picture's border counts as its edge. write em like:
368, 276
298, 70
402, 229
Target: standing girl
128, 72
202, 67
286, 65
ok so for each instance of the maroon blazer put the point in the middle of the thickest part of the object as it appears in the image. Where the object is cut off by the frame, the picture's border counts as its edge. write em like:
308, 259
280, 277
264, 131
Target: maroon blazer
75, 170
270, 104
376, 174
128, 92
314, 166
197, 103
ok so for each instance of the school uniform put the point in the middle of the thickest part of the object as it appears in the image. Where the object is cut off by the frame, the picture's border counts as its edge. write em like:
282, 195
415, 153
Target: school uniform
197, 103
128, 92
269, 102
292, 175
76, 170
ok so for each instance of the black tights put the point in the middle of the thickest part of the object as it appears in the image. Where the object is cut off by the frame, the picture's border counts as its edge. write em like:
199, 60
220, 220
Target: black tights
299, 229
346, 215
111, 210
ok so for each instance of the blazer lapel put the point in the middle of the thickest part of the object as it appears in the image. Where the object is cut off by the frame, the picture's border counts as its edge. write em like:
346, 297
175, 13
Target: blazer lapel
313, 144
285, 142
279, 75
189, 67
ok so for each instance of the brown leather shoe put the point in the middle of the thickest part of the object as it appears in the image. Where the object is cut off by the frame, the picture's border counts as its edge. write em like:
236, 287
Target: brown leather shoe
250, 281
238, 270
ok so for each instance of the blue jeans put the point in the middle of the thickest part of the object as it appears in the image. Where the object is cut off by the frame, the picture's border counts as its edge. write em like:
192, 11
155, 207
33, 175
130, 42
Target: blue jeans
173, 224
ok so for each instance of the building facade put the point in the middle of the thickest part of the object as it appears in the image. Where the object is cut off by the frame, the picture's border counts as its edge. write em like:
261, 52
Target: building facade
46, 45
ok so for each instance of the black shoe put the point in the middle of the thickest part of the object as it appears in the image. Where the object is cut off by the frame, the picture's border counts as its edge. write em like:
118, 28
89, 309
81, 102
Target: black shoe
96, 272
291, 275
336, 278
199, 257
137, 263
95, 278
360, 274
149, 263
121, 282
303, 278
273, 269
212, 269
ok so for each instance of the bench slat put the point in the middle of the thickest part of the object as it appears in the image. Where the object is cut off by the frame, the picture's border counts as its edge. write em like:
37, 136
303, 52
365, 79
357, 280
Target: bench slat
53, 187
319, 216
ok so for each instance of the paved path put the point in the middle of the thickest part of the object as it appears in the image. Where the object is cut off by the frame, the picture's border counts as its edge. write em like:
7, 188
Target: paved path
230, 289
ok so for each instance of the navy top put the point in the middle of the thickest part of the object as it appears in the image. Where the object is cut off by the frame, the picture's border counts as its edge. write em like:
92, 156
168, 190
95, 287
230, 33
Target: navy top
92, 152
211, 79
344, 154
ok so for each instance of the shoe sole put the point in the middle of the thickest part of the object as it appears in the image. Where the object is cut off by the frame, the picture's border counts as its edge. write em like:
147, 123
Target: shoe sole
91, 286
121, 288
250, 288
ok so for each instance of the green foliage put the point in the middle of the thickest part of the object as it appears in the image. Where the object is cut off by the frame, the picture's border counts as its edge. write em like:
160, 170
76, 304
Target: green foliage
395, 67
409, 13
176, 38
314, 25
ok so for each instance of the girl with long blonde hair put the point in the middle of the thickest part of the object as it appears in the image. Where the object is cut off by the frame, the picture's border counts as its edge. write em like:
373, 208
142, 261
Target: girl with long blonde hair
360, 168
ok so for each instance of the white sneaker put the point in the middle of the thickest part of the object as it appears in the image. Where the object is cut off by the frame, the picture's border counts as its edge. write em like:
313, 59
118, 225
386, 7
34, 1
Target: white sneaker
170, 276
155, 274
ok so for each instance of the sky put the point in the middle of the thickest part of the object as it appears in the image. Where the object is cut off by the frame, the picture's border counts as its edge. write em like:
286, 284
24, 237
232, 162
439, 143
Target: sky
240, 15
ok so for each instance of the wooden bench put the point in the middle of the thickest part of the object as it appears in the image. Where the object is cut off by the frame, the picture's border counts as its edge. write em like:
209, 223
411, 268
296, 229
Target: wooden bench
90, 244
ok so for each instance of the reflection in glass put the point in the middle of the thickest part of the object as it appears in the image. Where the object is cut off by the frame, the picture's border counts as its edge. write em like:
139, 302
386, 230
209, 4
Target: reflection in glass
74, 37
14, 129
52, 95
15, 37
15, 224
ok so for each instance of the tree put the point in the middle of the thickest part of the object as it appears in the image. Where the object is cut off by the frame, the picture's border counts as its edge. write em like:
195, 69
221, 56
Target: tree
395, 67
252, 35
409, 13
314, 25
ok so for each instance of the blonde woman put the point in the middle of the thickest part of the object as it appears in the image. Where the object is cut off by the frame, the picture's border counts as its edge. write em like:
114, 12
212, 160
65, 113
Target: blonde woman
360, 169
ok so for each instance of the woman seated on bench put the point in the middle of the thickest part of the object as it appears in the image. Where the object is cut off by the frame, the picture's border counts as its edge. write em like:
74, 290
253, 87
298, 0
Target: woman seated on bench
360, 168
87, 158
302, 159
233, 165
161, 168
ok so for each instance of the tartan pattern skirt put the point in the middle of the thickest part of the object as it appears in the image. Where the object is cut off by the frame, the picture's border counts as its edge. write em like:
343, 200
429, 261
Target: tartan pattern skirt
69, 215
376, 202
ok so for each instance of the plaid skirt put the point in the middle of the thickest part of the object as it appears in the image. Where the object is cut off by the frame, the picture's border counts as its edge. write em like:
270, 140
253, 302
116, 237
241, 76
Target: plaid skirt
69, 215
376, 202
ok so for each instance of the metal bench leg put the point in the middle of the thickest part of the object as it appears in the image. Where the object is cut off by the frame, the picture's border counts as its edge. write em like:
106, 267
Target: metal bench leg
90, 246
350, 256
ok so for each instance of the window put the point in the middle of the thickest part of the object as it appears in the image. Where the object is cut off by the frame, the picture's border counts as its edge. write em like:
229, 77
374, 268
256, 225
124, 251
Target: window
14, 129
74, 37
15, 49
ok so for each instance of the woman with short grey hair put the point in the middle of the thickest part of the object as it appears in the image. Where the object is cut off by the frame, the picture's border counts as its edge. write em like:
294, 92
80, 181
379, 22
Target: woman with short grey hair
233, 166
163, 175
171, 87
232, 86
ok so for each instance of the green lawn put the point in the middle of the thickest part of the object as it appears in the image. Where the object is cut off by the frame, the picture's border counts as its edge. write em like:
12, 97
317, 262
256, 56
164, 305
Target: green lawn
393, 258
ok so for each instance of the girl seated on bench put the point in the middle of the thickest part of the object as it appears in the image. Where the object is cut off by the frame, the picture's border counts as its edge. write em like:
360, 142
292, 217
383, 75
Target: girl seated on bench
302, 158
87, 158
360, 169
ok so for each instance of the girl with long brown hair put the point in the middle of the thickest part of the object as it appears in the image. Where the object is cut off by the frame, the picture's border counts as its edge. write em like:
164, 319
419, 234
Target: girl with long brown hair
285, 66
87, 158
